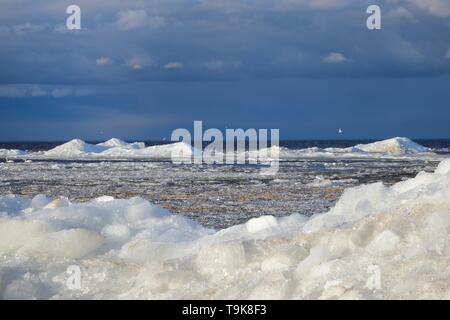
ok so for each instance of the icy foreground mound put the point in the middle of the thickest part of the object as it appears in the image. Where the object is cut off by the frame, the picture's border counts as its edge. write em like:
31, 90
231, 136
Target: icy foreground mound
377, 242
115, 148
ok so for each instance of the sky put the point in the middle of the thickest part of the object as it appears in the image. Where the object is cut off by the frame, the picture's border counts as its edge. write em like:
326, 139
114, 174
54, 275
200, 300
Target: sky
138, 69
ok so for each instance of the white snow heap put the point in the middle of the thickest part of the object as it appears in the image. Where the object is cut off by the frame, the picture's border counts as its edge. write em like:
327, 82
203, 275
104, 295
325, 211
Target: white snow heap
115, 148
114, 143
75, 147
11, 152
377, 242
393, 146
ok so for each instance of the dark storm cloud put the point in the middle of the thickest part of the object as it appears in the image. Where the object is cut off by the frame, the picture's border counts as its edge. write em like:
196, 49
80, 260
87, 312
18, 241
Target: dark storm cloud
167, 61
219, 39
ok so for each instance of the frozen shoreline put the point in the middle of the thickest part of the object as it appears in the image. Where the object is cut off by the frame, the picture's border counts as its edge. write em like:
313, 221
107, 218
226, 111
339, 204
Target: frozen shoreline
115, 149
133, 249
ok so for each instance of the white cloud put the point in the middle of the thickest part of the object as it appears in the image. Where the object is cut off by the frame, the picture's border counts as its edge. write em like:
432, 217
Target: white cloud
11, 92
80, 92
335, 57
28, 27
439, 8
103, 61
313, 4
21, 91
398, 47
174, 65
135, 19
38, 92
400, 12
228, 6
59, 28
33, 90
61, 92
24, 28
139, 61
215, 64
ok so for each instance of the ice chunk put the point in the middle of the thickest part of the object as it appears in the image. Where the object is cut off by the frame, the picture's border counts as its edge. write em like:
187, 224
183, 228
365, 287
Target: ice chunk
116, 232
14, 234
219, 260
258, 224
57, 203
444, 167
73, 243
383, 243
11, 153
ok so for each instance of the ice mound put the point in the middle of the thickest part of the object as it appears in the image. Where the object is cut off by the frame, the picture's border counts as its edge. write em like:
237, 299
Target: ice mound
258, 224
390, 148
114, 142
115, 148
11, 153
75, 147
378, 242
393, 146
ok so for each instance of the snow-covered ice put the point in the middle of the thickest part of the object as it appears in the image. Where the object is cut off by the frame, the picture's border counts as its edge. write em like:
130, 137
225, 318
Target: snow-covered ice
11, 153
398, 147
393, 146
132, 249
117, 149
